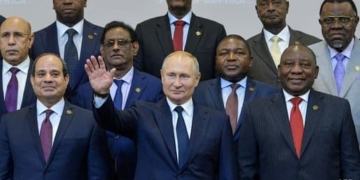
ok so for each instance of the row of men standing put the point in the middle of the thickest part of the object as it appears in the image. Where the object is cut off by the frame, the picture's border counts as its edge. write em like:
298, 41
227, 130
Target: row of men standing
148, 58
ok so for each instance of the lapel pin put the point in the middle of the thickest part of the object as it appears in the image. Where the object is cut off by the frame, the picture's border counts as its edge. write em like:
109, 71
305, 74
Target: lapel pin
315, 107
357, 68
68, 112
252, 89
95, 33
138, 90
90, 36
198, 33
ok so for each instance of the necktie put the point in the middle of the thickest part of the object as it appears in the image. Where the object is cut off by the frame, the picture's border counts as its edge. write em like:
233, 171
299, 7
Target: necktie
71, 56
232, 106
296, 124
178, 35
46, 135
339, 71
118, 95
275, 50
182, 136
12, 91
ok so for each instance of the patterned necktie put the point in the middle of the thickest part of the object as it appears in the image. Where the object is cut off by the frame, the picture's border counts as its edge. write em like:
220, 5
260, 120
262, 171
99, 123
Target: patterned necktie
232, 106
178, 35
46, 135
71, 56
296, 124
182, 136
275, 50
339, 71
118, 95
12, 91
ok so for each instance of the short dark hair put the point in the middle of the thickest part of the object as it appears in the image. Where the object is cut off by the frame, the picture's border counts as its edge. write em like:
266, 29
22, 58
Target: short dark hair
353, 6
238, 37
64, 69
117, 24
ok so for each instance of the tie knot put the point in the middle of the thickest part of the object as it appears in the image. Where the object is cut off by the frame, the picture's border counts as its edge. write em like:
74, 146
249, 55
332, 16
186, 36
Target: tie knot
234, 86
71, 33
179, 23
275, 39
14, 70
118, 82
48, 112
339, 57
179, 109
296, 100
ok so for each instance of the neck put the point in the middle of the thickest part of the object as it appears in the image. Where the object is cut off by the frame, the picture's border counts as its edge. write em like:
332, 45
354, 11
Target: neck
275, 29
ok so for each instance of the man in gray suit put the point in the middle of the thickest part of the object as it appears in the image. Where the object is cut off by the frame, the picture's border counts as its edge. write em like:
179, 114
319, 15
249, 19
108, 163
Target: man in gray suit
339, 55
272, 14
298, 133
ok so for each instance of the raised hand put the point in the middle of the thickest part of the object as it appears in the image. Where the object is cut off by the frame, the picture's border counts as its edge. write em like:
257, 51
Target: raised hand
100, 79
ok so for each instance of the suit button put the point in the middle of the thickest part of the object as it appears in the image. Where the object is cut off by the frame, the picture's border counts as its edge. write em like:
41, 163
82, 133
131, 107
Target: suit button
116, 136
299, 168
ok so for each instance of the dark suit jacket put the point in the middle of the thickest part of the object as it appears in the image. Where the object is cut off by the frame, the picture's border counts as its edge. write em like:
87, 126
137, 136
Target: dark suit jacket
2, 19
263, 67
79, 150
144, 87
154, 36
210, 154
28, 96
208, 93
329, 150
46, 42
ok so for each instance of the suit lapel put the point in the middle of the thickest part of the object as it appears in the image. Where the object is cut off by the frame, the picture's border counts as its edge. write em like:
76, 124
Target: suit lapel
198, 131
216, 95
193, 36
50, 39
261, 49
29, 95
163, 33
136, 89
2, 95
164, 122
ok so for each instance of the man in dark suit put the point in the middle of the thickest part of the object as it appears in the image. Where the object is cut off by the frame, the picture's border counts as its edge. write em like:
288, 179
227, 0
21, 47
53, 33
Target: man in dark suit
233, 61
298, 133
161, 130
200, 38
265, 51
52, 139
55, 39
118, 47
15, 88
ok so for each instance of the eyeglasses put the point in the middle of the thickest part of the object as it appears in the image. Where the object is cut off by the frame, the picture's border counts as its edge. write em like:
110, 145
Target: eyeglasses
120, 42
343, 20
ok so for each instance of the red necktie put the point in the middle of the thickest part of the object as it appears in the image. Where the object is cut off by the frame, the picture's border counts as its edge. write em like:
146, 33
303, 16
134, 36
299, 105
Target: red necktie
178, 35
297, 126
46, 135
232, 106
12, 91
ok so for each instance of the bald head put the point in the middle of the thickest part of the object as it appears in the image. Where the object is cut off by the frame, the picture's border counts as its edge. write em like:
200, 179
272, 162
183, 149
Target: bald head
16, 21
299, 48
180, 55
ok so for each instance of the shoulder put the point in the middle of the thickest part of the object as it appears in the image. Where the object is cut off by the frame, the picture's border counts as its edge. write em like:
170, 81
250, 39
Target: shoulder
262, 86
152, 21
307, 39
89, 24
147, 77
207, 21
254, 38
207, 83
50, 27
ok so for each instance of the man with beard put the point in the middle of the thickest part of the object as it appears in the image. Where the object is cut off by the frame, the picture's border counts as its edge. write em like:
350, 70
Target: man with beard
72, 38
179, 30
267, 46
338, 56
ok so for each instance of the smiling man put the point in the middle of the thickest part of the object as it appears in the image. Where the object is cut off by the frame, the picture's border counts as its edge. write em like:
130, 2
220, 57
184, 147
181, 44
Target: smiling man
298, 133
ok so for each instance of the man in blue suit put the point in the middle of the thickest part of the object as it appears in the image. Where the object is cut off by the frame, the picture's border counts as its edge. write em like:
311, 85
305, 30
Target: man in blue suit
118, 47
233, 61
176, 138
298, 133
15, 42
52, 139
54, 38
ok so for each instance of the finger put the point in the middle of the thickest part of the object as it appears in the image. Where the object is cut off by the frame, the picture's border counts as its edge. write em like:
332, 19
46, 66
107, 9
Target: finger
94, 62
101, 62
112, 73
89, 65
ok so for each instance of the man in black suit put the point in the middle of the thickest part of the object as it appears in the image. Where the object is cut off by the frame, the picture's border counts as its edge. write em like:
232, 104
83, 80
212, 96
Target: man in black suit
233, 61
272, 14
2, 19
298, 133
55, 39
15, 41
176, 138
200, 38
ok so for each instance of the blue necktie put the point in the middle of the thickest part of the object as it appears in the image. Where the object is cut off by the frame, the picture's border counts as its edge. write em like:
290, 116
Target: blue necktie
339, 71
118, 95
182, 136
71, 56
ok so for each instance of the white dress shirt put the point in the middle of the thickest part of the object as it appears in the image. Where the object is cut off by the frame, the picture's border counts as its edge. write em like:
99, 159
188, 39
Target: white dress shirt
284, 36
187, 19
302, 106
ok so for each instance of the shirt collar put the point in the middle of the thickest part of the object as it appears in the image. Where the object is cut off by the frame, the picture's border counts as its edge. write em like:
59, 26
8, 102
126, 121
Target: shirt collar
128, 76
304, 97
23, 66
186, 18
346, 52
58, 108
225, 83
62, 28
284, 34
187, 106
